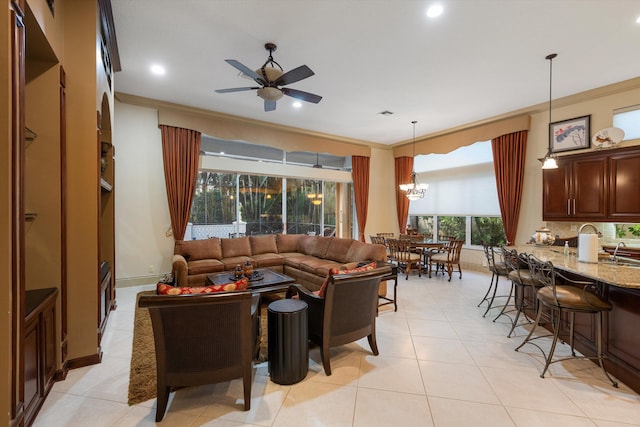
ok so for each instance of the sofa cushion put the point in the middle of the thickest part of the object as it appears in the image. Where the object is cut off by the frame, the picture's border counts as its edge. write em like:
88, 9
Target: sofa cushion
167, 289
323, 288
314, 245
288, 242
236, 247
230, 264
194, 250
263, 244
298, 261
268, 260
312, 265
338, 249
205, 266
359, 251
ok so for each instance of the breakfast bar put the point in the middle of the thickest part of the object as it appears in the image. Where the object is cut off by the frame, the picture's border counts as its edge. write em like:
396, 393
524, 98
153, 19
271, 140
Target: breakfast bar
620, 284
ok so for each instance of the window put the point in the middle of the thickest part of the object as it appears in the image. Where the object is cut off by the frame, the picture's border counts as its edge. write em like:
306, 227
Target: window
213, 211
462, 200
260, 200
628, 119
487, 230
227, 205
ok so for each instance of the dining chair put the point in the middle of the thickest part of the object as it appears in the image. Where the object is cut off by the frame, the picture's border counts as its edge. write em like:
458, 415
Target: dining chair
448, 256
565, 300
403, 257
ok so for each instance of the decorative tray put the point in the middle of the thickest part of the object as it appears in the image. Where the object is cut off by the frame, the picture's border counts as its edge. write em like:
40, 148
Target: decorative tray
254, 277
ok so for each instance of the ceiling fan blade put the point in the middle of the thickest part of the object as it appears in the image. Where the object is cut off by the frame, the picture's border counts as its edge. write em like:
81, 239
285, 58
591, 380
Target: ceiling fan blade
295, 75
269, 105
246, 70
304, 96
236, 89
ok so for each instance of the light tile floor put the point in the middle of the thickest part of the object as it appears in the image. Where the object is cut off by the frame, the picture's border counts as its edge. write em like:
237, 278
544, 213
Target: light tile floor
440, 364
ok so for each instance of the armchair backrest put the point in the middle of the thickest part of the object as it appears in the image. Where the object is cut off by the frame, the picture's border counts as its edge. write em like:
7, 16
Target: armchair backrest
400, 249
350, 306
201, 339
454, 248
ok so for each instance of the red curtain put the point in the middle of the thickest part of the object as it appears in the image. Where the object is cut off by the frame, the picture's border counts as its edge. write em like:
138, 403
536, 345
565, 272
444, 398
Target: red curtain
509, 153
404, 166
360, 174
180, 155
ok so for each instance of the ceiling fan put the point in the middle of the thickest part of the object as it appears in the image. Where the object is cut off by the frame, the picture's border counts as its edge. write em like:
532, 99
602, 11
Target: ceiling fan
271, 77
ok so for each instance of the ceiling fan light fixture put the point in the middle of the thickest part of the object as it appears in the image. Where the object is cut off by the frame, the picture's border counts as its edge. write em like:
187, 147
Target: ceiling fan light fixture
270, 93
270, 74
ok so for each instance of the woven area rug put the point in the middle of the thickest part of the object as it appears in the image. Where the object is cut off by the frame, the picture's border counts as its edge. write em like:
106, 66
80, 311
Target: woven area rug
142, 374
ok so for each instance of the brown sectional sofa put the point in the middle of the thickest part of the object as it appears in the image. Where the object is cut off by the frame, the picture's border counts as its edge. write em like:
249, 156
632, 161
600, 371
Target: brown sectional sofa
307, 259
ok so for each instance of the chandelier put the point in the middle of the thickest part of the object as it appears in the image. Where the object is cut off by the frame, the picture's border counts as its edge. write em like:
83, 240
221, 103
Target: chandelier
315, 198
414, 190
549, 161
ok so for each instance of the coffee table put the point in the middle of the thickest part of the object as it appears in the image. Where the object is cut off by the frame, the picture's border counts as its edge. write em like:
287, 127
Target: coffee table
266, 281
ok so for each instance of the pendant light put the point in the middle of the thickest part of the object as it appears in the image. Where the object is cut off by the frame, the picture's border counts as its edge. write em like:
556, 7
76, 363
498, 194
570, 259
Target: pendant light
549, 161
414, 190
315, 198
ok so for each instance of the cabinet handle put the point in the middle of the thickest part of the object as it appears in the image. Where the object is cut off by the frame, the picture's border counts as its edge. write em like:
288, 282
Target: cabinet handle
574, 206
568, 206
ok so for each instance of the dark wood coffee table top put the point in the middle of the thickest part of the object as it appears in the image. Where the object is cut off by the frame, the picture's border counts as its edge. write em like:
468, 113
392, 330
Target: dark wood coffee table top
266, 280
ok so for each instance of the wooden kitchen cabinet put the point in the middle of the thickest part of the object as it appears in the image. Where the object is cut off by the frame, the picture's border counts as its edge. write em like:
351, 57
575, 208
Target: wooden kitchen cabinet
577, 190
624, 186
596, 186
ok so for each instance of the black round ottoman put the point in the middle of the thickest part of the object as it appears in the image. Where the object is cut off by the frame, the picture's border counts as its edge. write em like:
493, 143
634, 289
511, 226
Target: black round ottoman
288, 349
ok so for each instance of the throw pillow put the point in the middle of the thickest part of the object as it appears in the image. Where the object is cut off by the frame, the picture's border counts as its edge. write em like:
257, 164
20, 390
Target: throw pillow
166, 289
333, 272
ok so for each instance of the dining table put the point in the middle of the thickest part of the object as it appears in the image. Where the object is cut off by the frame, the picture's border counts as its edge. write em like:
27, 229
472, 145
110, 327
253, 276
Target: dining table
426, 245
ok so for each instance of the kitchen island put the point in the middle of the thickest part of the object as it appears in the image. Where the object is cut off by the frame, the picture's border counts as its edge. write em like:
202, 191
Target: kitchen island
618, 283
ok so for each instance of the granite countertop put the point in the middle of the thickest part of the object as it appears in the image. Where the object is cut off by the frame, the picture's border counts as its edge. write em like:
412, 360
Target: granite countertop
604, 271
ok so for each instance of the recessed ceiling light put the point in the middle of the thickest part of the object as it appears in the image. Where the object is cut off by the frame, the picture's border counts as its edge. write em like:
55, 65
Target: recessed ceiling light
434, 11
638, 20
158, 70
297, 104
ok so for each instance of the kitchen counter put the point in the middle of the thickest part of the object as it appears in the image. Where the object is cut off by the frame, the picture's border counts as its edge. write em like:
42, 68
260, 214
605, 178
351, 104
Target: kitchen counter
620, 285
604, 271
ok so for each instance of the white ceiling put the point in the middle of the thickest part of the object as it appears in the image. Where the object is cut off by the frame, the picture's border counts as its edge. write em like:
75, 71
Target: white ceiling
479, 59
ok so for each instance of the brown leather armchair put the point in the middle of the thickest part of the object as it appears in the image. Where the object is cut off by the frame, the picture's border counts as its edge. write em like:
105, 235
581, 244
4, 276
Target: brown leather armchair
346, 313
202, 339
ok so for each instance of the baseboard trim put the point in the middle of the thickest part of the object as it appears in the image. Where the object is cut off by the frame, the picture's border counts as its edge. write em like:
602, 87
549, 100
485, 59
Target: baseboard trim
61, 374
81, 362
138, 281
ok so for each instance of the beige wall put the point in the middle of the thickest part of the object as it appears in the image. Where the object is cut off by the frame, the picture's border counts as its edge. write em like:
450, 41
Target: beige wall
142, 212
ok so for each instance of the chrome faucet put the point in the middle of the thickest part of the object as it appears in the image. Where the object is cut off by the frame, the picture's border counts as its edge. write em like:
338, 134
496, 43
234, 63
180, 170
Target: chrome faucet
615, 251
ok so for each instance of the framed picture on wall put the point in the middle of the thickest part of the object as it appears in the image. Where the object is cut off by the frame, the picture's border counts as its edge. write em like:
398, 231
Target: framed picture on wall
573, 134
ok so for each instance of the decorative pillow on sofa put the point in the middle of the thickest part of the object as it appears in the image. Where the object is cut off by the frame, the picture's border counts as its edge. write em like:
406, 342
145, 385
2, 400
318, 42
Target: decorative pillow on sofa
332, 272
166, 289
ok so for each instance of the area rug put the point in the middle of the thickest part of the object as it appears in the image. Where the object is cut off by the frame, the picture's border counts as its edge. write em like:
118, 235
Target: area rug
142, 374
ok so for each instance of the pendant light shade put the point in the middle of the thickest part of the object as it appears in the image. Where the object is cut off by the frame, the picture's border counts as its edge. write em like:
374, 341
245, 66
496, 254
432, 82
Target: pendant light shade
549, 161
414, 190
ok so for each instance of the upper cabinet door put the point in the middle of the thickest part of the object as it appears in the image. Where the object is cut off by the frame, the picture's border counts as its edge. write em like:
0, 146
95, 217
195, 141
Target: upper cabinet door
556, 192
589, 195
624, 184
